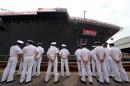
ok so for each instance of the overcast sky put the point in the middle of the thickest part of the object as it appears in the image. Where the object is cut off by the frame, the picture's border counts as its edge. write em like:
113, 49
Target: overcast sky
111, 11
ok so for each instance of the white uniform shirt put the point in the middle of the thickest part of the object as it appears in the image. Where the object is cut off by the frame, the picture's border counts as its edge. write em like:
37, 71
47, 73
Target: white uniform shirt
40, 51
29, 51
116, 53
93, 54
85, 54
64, 53
100, 52
15, 50
78, 54
107, 53
52, 52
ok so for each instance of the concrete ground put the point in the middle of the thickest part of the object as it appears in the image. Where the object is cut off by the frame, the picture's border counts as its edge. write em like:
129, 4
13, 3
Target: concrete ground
73, 80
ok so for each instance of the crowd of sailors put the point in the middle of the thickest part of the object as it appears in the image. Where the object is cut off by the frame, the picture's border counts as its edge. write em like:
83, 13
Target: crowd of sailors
101, 62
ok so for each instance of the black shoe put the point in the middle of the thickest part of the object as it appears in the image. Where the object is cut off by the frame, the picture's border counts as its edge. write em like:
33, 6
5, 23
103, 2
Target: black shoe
83, 81
118, 81
56, 81
127, 81
100, 82
10, 81
107, 82
93, 75
90, 82
52, 75
46, 81
68, 76
28, 82
3, 81
110, 76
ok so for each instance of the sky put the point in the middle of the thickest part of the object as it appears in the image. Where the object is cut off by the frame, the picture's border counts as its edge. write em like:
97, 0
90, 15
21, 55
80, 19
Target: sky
110, 11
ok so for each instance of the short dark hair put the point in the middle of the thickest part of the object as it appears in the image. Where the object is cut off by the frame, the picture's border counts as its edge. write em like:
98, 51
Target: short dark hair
104, 45
19, 43
83, 45
39, 44
30, 41
111, 44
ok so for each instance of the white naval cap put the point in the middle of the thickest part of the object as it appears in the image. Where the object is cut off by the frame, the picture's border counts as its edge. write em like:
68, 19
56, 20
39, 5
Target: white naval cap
83, 44
63, 45
30, 41
39, 43
53, 43
20, 41
93, 46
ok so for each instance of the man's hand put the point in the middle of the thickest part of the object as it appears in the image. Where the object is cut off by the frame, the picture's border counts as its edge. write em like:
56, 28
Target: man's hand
101, 60
36, 58
117, 61
85, 62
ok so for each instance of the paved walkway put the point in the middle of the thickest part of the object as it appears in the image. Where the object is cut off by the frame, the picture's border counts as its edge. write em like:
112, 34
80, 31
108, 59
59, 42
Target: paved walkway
73, 80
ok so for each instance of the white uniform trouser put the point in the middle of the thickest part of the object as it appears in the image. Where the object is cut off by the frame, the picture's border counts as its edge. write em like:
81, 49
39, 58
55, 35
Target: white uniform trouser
64, 62
119, 72
102, 71
9, 71
20, 67
79, 67
109, 66
86, 68
50, 64
36, 67
27, 69
93, 63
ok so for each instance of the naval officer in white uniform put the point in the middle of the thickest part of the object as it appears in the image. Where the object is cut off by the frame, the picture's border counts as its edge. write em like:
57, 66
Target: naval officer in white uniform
53, 62
29, 53
118, 70
37, 61
93, 59
101, 64
78, 57
15, 56
85, 64
64, 54
108, 60
20, 66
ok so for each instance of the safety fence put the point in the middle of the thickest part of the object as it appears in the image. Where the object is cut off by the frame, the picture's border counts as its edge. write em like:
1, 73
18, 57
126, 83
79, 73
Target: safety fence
71, 59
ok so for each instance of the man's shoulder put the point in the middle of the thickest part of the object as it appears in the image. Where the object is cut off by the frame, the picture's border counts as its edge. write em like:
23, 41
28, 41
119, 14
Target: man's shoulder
66, 49
85, 49
13, 46
78, 49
